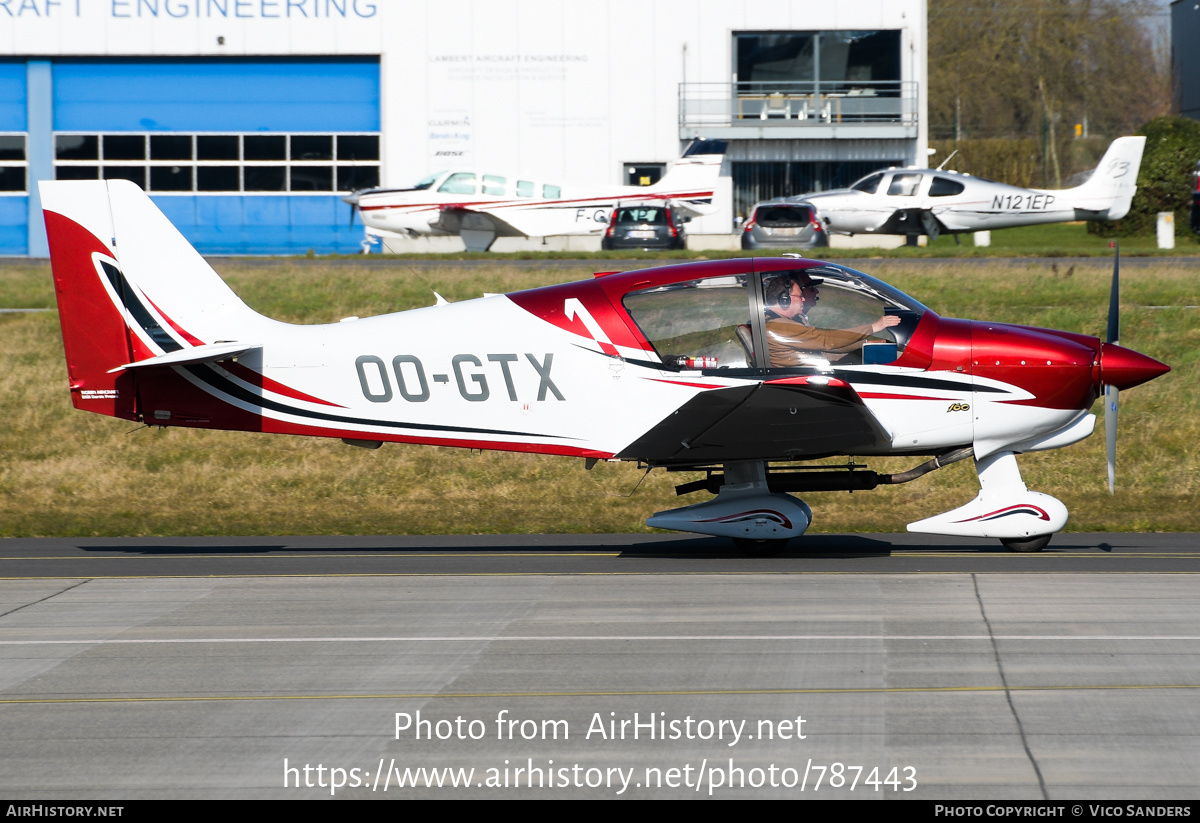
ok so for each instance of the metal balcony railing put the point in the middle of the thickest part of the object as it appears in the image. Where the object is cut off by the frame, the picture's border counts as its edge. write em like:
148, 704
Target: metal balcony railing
797, 104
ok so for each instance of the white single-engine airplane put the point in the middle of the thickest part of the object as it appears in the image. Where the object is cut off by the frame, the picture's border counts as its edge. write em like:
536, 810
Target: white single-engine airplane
934, 202
677, 367
481, 207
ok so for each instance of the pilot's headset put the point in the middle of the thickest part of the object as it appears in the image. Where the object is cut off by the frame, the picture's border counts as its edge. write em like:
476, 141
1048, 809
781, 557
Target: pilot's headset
779, 290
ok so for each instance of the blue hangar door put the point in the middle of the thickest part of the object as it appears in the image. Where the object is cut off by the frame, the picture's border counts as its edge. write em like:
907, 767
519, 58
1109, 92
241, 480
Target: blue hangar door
246, 156
14, 161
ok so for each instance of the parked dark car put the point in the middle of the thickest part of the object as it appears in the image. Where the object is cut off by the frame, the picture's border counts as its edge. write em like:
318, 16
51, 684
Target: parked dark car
1195, 221
644, 227
789, 225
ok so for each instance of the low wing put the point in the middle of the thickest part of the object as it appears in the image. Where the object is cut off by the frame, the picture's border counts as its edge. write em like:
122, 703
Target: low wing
536, 219
759, 423
697, 204
454, 219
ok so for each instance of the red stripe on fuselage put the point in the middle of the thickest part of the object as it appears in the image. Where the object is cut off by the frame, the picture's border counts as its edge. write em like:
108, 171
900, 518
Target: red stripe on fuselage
681, 383
263, 382
194, 407
191, 338
885, 396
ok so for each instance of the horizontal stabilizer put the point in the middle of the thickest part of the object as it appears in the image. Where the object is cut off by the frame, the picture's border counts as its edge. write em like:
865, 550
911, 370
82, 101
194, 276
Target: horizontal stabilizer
197, 354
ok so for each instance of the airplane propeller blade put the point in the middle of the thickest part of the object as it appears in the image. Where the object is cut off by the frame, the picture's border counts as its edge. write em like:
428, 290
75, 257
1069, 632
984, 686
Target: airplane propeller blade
1114, 299
1110, 434
1111, 394
352, 201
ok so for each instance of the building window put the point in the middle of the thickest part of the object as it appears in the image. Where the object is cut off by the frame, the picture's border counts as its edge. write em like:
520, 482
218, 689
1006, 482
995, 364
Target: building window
13, 164
851, 59
644, 174
221, 163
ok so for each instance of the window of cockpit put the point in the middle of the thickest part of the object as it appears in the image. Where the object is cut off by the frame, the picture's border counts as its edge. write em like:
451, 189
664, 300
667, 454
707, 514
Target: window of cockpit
698, 324
428, 181
868, 184
551, 192
460, 183
835, 326
525, 188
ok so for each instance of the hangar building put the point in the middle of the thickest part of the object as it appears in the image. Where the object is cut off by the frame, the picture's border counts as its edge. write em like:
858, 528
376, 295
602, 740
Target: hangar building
246, 119
1185, 61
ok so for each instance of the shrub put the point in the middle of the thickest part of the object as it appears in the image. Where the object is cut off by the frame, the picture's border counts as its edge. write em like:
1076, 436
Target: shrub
1164, 182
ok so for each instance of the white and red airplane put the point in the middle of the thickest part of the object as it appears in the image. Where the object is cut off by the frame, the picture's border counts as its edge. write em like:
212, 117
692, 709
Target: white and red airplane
671, 367
481, 207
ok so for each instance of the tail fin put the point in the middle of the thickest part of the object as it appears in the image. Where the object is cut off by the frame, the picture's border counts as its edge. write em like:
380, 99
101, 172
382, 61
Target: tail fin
1109, 191
691, 182
130, 288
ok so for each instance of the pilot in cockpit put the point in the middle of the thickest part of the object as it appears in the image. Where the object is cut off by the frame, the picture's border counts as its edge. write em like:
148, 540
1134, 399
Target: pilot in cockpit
793, 341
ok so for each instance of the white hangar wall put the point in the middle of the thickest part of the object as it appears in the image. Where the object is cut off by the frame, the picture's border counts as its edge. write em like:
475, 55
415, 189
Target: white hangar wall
546, 88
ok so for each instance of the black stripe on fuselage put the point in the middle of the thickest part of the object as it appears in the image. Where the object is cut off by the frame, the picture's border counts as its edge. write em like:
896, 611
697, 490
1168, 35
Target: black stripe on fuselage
872, 378
912, 381
208, 376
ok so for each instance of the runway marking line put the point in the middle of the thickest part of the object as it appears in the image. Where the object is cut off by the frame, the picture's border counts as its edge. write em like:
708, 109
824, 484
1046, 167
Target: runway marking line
448, 553
725, 573
667, 693
532, 638
1085, 554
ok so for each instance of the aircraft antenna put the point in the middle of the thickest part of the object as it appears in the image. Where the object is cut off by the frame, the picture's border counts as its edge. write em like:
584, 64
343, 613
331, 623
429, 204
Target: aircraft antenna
440, 300
639, 483
948, 159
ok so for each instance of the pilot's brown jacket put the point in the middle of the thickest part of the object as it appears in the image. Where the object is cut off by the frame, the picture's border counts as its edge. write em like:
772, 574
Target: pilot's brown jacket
790, 343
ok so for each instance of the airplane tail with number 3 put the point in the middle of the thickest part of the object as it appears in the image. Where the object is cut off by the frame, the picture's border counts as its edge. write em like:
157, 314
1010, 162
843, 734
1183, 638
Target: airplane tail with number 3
1108, 193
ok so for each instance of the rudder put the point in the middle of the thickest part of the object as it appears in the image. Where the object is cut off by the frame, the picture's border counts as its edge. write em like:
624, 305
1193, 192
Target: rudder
95, 335
1109, 192
129, 287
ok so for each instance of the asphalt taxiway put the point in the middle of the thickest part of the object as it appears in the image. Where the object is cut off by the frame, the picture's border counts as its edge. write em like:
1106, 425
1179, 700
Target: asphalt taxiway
599, 666
611, 554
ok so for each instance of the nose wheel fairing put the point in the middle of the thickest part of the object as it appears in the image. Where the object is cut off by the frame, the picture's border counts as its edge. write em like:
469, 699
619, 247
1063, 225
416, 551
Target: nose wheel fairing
1004, 507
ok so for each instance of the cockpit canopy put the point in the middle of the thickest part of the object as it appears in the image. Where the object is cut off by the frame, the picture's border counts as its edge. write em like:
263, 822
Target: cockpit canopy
907, 183
721, 322
493, 185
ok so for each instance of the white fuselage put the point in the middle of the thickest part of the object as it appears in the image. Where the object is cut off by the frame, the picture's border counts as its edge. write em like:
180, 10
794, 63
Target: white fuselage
487, 371
930, 201
450, 203
569, 210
